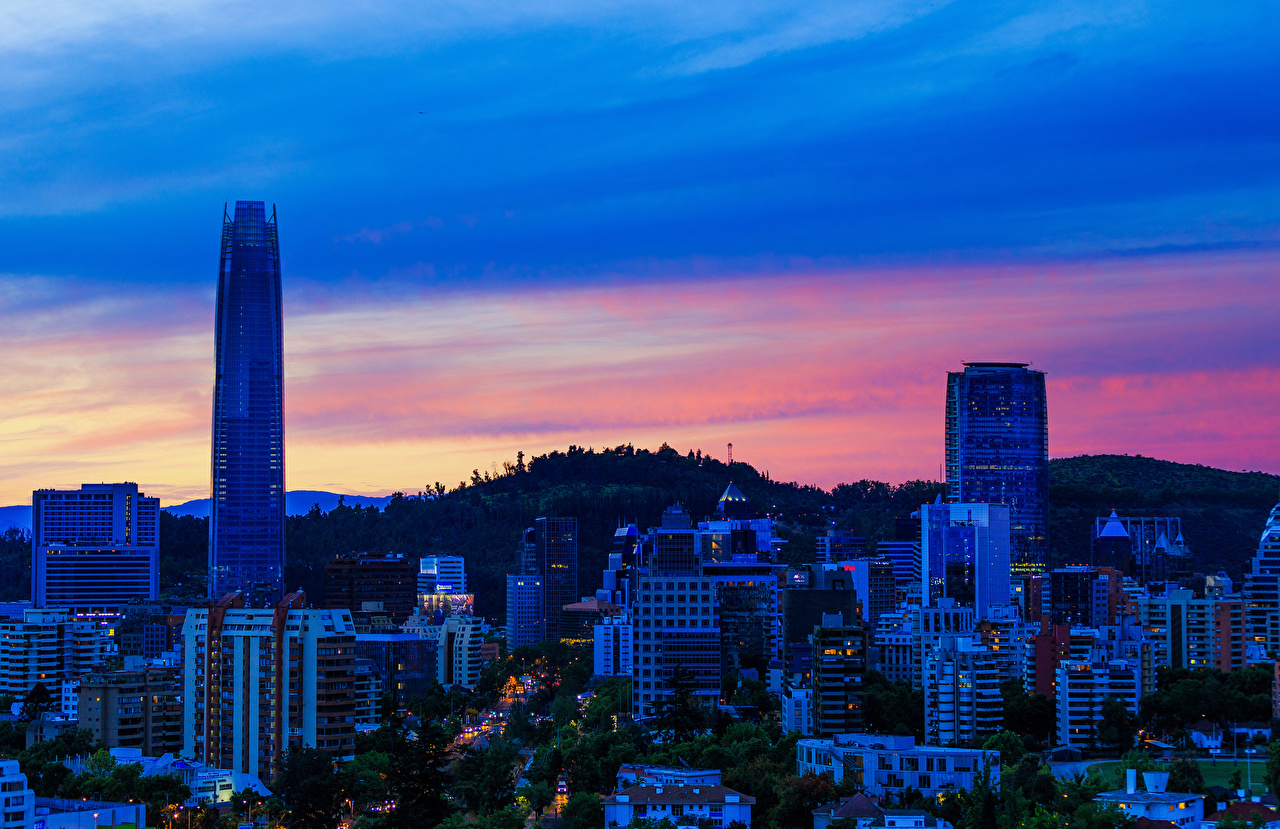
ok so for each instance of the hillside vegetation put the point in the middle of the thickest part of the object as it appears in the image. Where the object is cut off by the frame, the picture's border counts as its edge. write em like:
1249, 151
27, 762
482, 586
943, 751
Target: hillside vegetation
1223, 513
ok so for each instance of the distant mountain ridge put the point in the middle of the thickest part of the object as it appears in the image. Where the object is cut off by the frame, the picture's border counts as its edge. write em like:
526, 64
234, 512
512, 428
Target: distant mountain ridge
296, 502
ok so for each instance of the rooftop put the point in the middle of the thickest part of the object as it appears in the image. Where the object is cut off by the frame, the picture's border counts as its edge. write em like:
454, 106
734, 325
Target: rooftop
678, 793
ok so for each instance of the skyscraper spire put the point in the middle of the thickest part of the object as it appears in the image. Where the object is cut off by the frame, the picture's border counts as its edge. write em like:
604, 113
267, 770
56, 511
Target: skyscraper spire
246, 516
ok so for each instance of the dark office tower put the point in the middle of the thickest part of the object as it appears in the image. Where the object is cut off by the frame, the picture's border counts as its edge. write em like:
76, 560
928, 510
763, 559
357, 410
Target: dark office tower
557, 563
246, 526
998, 450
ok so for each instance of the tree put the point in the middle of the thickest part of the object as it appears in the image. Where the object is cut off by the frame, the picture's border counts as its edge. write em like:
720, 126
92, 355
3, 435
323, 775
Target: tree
583, 811
679, 718
1008, 744
309, 786
1029, 715
418, 779
100, 763
538, 795
1273, 765
37, 701
485, 779
798, 797
1185, 776
1118, 728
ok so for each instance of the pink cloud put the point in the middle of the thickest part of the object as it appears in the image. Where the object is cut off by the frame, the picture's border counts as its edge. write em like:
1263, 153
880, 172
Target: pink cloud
821, 376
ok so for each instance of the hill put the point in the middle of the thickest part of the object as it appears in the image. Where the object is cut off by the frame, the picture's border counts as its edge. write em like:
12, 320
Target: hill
1222, 512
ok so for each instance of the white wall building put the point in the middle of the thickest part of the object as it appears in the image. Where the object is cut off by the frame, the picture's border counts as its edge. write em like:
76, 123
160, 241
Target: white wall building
1081, 688
259, 680
613, 646
19, 800
886, 764
718, 804
458, 658
47, 647
1154, 803
442, 574
962, 702
797, 710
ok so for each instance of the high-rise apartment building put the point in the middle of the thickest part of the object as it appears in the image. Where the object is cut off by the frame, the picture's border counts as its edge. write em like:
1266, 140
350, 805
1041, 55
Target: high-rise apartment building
95, 548
1187, 632
45, 647
839, 662
524, 610
458, 657
997, 450
557, 562
247, 508
351, 581
962, 702
1262, 588
259, 680
133, 709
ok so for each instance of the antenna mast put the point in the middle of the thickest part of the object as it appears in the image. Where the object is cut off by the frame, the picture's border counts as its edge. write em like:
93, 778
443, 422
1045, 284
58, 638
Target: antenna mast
731, 454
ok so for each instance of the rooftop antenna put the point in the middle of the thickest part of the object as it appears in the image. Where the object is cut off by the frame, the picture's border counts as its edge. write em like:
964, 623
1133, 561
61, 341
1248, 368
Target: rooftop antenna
731, 454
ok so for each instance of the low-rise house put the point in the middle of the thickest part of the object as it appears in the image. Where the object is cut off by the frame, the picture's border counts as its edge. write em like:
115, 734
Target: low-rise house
720, 805
887, 764
1155, 803
1244, 811
860, 809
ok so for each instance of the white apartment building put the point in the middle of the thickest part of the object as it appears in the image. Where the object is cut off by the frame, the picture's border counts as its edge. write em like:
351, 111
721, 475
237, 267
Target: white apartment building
885, 764
613, 655
1080, 690
962, 702
48, 647
458, 658
19, 800
258, 680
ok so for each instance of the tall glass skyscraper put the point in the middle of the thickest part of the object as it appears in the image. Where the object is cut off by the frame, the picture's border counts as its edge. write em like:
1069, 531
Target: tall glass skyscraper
557, 564
246, 523
997, 443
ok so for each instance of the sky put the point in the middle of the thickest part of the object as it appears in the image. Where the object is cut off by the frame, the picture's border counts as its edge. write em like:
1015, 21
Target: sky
515, 226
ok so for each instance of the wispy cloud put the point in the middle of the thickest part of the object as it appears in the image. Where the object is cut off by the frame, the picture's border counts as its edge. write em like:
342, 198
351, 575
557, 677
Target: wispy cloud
818, 375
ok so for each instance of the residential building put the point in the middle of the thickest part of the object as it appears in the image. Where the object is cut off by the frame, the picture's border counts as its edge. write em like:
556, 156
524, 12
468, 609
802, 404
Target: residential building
614, 649
19, 799
839, 662
46, 647
209, 785
971, 540
905, 558
524, 610
95, 548
133, 709
390, 579
1187, 632
1081, 689
677, 803
1155, 803
962, 702
871, 580
458, 659
69, 813
1147, 549
556, 561
259, 680
442, 574
933, 625
997, 450
893, 647
882, 764
1262, 588
632, 775
247, 506
367, 685
797, 710
1086, 596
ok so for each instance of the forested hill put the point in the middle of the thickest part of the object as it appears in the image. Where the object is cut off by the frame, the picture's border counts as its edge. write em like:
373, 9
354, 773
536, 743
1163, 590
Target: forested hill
1223, 512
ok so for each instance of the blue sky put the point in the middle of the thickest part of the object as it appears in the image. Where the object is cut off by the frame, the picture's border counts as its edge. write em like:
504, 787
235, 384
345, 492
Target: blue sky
514, 226
585, 138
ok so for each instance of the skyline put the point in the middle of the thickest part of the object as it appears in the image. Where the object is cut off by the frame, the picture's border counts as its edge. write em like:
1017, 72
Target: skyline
515, 227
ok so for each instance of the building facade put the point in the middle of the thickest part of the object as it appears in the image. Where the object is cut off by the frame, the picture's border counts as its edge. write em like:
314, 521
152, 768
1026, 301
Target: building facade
614, 651
19, 800
682, 804
259, 680
524, 610
556, 555
46, 647
997, 450
971, 537
839, 662
1262, 588
247, 506
962, 702
442, 574
458, 658
95, 548
133, 709
391, 579
886, 764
